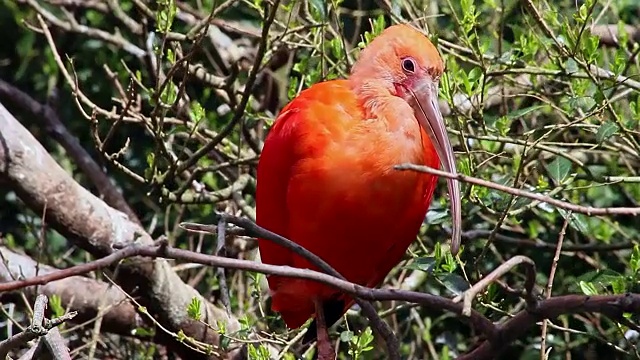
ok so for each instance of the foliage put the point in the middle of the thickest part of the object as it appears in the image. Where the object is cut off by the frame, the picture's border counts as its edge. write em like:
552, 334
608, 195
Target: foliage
548, 103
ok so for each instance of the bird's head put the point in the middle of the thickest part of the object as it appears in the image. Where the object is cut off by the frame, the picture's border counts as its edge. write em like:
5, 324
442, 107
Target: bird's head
403, 61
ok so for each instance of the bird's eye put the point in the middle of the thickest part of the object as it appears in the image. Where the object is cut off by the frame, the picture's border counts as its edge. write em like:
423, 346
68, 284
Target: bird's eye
409, 65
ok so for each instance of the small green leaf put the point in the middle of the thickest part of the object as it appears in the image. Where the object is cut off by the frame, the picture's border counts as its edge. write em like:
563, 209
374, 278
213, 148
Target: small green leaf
55, 303
197, 112
571, 66
194, 308
435, 217
606, 130
604, 277
318, 5
580, 222
619, 286
634, 263
425, 264
588, 288
559, 169
142, 332
346, 336
522, 112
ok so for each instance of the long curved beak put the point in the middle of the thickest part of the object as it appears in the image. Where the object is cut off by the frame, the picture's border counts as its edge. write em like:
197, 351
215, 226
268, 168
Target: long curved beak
427, 111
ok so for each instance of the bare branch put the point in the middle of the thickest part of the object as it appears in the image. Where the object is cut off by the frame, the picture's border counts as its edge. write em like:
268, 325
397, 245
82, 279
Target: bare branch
588, 210
468, 296
609, 35
39, 327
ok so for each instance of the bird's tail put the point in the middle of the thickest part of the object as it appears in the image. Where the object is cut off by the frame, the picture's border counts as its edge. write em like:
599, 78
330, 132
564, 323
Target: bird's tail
293, 305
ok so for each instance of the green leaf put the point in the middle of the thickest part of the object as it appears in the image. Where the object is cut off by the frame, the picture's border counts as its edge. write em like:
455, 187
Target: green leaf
142, 332
426, 264
559, 169
634, 263
522, 112
194, 308
580, 222
435, 217
318, 5
449, 264
606, 130
591, 47
454, 283
165, 15
502, 125
346, 336
604, 277
571, 66
55, 303
588, 288
197, 112
581, 102
619, 286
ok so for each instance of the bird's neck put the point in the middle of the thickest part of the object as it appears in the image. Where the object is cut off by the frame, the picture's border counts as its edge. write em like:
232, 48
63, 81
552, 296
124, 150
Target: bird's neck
371, 95
407, 140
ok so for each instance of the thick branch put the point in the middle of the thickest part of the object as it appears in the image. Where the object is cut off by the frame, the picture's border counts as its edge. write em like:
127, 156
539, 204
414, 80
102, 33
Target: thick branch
89, 223
56, 129
610, 36
518, 325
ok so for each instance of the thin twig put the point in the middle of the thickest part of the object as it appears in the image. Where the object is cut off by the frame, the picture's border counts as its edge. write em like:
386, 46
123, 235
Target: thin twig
552, 273
497, 273
588, 210
239, 111
222, 279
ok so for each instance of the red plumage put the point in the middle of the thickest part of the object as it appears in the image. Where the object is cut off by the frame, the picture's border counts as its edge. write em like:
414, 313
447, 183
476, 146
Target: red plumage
326, 177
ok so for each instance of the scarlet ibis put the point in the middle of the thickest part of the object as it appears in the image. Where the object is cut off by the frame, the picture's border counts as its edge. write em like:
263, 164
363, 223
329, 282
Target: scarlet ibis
326, 177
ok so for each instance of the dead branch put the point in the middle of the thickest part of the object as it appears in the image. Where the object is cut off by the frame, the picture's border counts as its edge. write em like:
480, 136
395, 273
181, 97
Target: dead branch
40, 327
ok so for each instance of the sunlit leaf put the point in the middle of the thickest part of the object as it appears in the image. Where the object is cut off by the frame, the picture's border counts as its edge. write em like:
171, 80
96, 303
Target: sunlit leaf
588, 288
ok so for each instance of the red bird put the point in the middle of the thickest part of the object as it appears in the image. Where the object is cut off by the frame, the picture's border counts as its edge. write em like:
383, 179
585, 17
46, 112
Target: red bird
326, 177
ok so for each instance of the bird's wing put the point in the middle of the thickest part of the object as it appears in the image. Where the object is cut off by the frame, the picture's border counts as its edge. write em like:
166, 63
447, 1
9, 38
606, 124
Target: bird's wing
295, 145
299, 135
274, 170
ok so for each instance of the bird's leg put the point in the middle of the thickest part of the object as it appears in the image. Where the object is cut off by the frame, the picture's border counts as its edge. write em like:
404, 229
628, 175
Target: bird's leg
325, 349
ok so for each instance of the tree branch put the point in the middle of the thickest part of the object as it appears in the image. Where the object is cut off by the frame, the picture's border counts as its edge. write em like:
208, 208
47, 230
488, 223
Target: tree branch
56, 129
82, 294
588, 210
40, 327
89, 223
